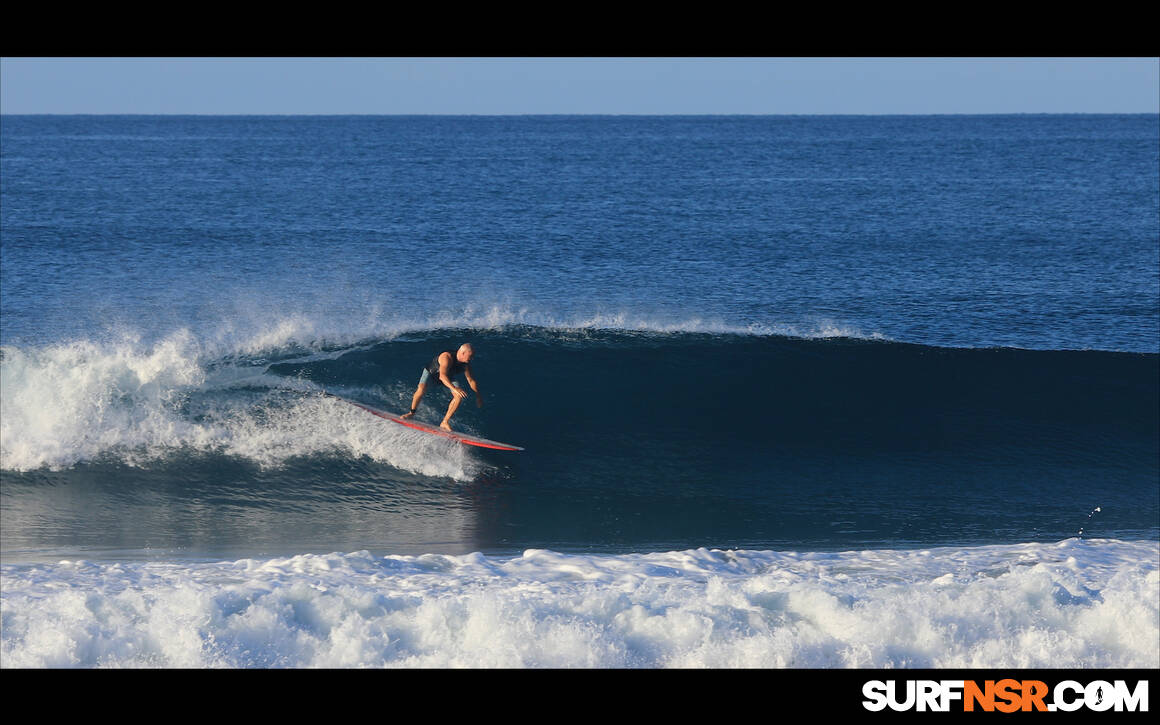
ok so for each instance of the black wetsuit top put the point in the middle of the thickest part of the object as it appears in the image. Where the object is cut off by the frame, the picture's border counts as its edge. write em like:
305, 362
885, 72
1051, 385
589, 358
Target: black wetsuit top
453, 369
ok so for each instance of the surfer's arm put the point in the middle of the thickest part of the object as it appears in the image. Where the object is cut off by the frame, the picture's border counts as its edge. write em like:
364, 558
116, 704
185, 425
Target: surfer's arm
474, 386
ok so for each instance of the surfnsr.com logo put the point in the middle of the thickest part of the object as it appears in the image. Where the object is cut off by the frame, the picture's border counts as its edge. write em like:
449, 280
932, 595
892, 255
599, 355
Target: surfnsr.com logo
1007, 695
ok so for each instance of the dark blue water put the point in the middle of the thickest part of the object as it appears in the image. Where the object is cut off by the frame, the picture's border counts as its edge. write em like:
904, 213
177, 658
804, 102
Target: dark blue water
744, 332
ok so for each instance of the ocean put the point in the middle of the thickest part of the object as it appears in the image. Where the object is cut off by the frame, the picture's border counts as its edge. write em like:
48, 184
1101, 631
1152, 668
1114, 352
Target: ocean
794, 392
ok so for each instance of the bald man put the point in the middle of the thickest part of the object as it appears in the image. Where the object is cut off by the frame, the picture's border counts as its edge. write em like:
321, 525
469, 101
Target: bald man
442, 368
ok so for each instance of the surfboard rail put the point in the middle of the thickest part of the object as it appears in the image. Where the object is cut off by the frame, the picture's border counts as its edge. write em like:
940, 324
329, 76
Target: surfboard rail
464, 438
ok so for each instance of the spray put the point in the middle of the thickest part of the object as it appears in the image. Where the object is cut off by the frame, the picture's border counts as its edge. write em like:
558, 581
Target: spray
1089, 519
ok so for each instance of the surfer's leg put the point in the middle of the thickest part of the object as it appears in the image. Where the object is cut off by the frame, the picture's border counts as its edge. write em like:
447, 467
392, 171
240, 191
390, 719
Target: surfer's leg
455, 401
418, 396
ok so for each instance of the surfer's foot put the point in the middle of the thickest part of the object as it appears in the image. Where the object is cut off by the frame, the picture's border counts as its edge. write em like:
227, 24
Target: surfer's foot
407, 415
445, 426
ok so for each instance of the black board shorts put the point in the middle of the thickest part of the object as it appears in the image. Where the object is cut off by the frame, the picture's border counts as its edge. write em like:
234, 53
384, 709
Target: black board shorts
428, 374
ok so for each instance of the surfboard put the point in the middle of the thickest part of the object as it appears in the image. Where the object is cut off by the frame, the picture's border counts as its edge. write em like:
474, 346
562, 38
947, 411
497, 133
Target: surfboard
464, 438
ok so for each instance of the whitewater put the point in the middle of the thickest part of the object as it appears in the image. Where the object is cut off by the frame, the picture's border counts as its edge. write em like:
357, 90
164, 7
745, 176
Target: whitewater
1075, 604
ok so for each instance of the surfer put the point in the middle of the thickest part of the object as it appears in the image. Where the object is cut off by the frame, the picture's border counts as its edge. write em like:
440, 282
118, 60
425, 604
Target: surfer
443, 367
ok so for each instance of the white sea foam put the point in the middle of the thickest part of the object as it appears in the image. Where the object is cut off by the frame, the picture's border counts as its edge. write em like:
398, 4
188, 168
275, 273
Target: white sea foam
83, 401
1075, 604
74, 401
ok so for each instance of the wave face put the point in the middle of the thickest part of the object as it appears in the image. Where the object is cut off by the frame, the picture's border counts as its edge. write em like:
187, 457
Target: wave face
635, 440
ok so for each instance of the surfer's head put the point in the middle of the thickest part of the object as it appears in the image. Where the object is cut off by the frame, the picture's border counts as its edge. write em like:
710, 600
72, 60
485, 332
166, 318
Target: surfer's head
465, 353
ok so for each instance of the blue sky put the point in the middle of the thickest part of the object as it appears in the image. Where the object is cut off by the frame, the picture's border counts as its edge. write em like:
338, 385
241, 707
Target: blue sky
579, 85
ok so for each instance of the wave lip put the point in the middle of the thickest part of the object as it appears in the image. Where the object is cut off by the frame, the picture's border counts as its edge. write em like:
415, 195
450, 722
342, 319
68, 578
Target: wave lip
495, 317
1074, 604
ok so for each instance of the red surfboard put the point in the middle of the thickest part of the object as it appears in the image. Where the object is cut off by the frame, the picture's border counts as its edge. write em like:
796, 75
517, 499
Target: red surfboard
463, 438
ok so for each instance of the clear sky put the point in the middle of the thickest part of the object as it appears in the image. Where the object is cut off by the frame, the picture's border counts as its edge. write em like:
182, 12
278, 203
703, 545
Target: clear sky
595, 85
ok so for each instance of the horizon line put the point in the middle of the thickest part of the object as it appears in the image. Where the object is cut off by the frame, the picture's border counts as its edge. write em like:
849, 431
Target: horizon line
593, 113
